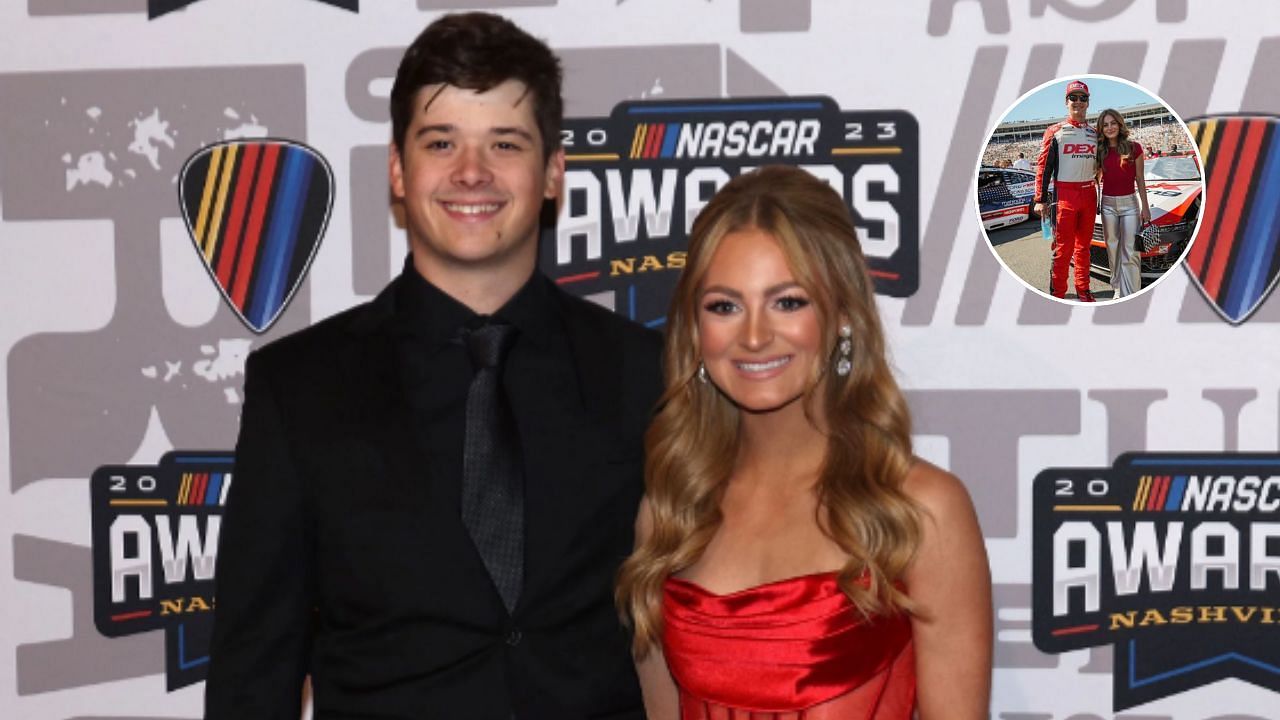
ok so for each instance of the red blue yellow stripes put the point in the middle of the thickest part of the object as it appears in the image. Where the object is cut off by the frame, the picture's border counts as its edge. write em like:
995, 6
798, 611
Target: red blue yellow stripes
654, 140
203, 488
257, 210
1236, 255
1159, 493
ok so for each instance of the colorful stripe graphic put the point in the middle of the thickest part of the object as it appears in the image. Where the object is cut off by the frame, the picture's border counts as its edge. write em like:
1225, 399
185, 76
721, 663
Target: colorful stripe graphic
1159, 493
204, 488
1235, 259
655, 140
257, 210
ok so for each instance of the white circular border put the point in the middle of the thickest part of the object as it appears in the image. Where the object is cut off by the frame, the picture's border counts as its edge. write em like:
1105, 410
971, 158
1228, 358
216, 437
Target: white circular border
1204, 188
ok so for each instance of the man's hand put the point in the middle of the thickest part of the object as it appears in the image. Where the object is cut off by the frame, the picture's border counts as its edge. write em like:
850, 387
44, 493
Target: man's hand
1038, 209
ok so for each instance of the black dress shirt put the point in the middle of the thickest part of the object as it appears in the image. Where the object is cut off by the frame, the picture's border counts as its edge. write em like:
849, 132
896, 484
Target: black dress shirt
437, 371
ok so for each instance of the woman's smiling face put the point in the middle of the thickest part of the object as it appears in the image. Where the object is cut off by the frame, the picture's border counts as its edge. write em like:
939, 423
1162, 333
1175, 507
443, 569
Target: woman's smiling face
759, 333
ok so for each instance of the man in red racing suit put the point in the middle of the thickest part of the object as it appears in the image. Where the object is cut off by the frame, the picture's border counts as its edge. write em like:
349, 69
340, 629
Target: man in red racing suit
1067, 157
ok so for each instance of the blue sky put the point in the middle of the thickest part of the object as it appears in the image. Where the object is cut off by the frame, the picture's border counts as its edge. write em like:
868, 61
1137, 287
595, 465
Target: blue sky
1048, 101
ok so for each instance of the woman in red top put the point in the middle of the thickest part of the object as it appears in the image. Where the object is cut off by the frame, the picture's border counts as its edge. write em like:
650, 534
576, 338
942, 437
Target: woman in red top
1124, 200
793, 558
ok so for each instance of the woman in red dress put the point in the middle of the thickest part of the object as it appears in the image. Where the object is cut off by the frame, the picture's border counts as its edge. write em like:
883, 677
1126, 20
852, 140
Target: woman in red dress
793, 558
1124, 200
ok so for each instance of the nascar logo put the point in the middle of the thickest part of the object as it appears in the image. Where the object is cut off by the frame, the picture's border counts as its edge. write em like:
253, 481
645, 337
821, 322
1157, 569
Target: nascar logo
1170, 558
155, 541
763, 138
1194, 493
1235, 260
635, 181
256, 211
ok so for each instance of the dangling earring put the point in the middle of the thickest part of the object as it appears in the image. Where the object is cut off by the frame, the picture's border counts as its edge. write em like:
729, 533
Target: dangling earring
844, 361
702, 372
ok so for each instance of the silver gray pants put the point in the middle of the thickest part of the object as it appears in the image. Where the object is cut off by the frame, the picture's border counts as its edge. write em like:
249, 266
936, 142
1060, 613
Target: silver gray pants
1119, 226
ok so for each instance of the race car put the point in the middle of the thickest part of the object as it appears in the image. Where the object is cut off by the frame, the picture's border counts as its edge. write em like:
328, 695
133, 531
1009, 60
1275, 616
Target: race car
1005, 196
1173, 193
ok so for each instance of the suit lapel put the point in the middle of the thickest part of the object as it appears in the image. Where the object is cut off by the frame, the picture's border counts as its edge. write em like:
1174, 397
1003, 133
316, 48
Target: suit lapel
597, 361
378, 396
572, 454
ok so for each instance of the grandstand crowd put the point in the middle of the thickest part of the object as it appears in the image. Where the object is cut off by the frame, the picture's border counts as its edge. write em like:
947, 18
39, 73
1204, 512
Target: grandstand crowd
1163, 139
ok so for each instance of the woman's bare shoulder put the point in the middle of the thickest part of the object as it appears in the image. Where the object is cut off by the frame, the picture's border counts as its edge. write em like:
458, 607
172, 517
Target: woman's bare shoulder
938, 492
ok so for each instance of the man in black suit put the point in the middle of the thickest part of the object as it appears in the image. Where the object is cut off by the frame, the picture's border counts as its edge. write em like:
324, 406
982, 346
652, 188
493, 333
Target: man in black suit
422, 541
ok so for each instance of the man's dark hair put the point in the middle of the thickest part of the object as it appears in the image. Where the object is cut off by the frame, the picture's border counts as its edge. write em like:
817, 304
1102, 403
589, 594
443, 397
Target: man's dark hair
479, 51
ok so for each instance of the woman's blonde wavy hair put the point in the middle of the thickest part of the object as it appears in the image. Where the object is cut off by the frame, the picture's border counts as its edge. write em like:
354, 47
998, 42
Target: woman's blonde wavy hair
1123, 144
692, 444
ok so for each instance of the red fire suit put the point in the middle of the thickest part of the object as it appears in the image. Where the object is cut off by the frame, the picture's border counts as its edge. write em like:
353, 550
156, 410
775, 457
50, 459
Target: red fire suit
1067, 157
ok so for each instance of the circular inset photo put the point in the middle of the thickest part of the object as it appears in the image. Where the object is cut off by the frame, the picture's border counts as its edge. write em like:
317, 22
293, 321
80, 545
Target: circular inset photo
1090, 189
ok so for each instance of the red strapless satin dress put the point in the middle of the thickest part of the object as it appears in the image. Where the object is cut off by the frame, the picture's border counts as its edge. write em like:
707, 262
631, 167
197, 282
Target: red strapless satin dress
795, 649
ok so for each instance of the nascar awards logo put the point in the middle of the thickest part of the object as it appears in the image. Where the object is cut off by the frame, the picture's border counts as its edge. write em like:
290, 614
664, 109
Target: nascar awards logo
635, 181
155, 540
1174, 559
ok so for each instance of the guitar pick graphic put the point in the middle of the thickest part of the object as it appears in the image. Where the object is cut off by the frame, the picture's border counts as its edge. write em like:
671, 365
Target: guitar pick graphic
1235, 259
256, 210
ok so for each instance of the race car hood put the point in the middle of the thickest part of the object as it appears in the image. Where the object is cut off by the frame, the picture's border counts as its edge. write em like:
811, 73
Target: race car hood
1170, 199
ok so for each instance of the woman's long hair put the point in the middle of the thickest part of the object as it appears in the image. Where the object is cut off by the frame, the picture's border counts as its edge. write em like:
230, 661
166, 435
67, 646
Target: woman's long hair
693, 441
1123, 144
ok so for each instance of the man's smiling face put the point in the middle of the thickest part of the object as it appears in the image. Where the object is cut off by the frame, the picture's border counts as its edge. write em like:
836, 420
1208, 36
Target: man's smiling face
473, 177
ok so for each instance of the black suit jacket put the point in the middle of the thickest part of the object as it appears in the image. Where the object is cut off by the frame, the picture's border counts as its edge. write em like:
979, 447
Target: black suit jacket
335, 560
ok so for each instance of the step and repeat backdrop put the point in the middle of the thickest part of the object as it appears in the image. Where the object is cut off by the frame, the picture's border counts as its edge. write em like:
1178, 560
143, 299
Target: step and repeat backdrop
1124, 459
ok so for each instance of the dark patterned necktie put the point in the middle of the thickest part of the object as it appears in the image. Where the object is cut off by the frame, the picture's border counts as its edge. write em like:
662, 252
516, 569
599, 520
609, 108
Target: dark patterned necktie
492, 474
